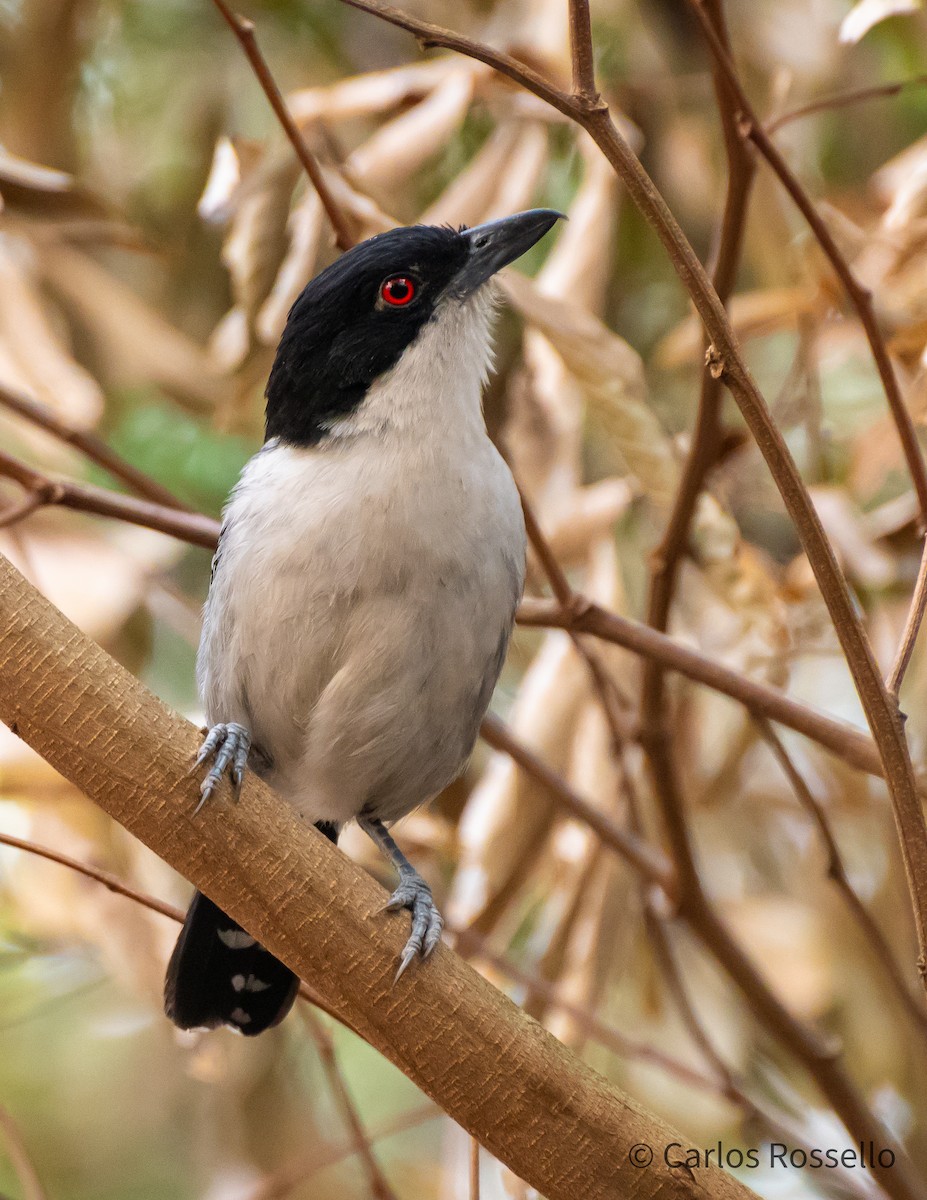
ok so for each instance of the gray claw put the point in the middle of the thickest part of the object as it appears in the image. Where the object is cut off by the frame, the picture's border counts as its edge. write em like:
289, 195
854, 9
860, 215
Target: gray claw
228, 745
415, 894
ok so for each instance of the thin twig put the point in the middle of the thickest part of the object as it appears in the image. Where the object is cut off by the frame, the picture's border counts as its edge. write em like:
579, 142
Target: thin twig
84, 497
752, 129
474, 1169
843, 100
244, 32
379, 1186
582, 616
650, 862
847, 743
112, 882
581, 52
294, 1174
912, 627
116, 885
20, 1158
472, 944
836, 870
92, 447
556, 577
882, 714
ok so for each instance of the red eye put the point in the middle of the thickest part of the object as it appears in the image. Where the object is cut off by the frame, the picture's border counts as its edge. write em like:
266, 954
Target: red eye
397, 290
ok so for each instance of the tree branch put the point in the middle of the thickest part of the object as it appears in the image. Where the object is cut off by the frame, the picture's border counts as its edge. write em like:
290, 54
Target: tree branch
836, 870
843, 100
751, 127
540, 1110
91, 447
244, 32
726, 361
840, 738
84, 497
912, 627
581, 52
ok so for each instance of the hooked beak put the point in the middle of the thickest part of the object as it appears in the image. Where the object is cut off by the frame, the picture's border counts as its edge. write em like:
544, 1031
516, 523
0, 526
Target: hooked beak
497, 243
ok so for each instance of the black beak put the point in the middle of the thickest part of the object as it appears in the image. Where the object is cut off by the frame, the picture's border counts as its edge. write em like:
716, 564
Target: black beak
497, 243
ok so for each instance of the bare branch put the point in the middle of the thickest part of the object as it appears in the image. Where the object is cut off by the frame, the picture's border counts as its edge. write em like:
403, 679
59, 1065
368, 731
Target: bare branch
837, 871
582, 54
912, 627
650, 862
244, 32
843, 100
92, 447
84, 497
840, 738
445, 1026
752, 129
379, 1185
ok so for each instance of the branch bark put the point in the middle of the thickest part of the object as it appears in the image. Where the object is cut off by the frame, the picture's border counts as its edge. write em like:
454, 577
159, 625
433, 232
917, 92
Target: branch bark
726, 361
528, 1100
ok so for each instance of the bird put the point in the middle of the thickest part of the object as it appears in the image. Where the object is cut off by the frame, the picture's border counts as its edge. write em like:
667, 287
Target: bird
363, 592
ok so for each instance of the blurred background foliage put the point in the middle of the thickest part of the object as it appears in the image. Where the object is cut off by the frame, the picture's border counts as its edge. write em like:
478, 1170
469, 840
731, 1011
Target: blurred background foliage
154, 231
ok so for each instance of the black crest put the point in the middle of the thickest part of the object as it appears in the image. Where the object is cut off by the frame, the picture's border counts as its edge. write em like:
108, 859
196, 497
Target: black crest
341, 333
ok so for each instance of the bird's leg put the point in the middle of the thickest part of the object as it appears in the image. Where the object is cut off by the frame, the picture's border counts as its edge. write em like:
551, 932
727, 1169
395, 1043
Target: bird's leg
413, 893
228, 746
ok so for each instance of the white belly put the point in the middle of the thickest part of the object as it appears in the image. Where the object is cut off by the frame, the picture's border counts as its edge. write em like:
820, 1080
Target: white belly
359, 614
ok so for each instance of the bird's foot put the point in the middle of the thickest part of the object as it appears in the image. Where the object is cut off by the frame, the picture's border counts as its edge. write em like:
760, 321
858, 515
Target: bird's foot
414, 894
228, 747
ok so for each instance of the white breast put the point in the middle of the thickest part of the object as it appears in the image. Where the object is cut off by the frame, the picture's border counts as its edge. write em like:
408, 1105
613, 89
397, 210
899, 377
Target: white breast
365, 588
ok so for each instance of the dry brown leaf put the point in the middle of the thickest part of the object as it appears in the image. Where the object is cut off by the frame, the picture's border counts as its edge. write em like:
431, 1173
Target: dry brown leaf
469, 195
507, 816
35, 190
43, 366
298, 267
518, 183
257, 240
374, 92
543, 434
133, 342
611, 376
587, 516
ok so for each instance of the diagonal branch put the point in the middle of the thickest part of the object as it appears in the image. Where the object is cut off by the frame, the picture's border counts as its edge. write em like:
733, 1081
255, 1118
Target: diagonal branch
244, 32
837, 871
91, 447
191, 527
727, 363
751, 128
527, 1099
880, 91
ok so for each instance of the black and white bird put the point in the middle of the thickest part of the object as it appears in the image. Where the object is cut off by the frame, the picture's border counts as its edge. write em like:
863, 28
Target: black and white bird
364, 590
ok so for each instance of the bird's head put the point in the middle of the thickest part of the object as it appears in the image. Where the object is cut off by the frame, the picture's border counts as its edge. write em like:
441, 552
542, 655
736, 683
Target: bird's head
356, 320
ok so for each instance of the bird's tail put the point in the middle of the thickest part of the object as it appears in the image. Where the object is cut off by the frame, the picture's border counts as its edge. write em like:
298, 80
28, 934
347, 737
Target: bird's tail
220, 975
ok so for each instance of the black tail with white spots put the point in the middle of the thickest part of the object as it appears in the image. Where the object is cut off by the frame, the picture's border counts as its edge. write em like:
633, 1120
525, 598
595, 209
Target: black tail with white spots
220, 975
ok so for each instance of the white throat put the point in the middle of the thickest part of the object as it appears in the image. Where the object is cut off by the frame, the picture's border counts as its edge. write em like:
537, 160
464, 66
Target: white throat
437, 385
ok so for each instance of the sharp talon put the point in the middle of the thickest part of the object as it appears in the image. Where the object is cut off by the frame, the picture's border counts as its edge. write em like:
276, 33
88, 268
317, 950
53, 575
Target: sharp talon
414, 894
407, 957
228, 746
